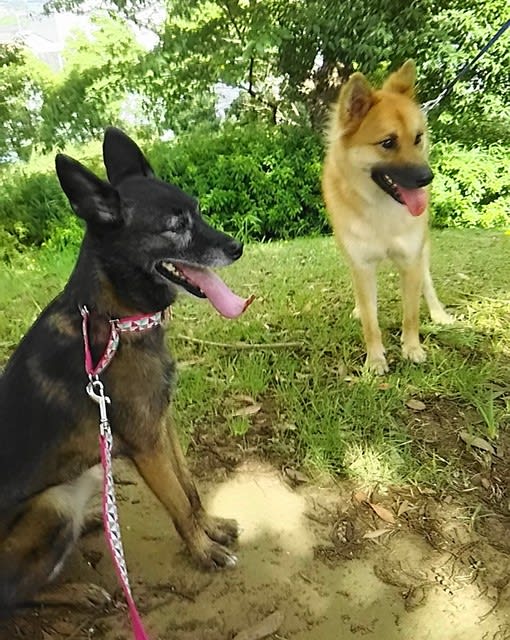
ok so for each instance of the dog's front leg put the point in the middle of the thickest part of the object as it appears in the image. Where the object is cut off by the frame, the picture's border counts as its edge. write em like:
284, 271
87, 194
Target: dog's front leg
411, 276
437, 311
365, 285
222, 530
157, 466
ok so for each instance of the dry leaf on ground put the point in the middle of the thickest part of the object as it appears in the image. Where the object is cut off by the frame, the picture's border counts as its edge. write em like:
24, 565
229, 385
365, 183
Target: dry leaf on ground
372, 535
250, 410
415, 404
475, 441
383, 513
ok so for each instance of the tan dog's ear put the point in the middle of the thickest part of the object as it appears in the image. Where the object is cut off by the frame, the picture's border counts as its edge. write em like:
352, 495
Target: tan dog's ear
356, 100
402, 81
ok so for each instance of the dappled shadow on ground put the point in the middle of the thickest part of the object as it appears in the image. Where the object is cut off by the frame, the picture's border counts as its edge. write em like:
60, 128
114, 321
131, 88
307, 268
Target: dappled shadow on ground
338, 561
481, 481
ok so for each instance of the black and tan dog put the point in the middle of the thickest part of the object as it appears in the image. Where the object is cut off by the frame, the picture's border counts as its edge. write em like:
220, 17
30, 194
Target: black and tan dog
144, 241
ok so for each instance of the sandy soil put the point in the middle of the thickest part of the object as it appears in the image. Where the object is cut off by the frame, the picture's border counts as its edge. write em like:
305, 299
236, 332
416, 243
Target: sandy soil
320, 556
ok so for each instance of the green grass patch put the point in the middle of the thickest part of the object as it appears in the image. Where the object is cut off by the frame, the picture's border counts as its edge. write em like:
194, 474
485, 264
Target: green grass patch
318, 407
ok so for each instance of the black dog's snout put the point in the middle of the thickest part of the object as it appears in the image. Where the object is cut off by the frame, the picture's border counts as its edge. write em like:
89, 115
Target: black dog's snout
234, 249
408, 176
424, 176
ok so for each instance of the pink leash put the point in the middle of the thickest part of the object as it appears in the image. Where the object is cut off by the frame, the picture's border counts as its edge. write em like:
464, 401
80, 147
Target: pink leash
95, 390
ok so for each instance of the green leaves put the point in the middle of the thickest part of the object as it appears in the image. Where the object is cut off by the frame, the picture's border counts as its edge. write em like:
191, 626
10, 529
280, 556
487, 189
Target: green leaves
256, 182
471, 186
285, 58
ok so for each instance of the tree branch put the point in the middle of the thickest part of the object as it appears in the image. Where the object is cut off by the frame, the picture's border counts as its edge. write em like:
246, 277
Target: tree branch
226, 8
250, 76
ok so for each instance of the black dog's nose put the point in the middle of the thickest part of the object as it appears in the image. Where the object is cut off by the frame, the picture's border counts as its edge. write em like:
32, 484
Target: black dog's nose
424, 176
234, 249
409, 176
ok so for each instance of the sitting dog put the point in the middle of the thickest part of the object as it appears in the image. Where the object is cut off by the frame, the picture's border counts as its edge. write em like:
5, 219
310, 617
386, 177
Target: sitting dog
145, 240
374, 186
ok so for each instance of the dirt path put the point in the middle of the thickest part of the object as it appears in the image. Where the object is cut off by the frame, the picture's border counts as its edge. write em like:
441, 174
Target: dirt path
320, 556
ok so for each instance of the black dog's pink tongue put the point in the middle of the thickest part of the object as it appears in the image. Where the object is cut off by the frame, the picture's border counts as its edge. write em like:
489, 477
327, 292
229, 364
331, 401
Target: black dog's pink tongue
219, 295
414, 199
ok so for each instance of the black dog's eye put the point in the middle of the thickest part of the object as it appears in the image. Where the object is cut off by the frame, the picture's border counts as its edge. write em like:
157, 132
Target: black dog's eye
418, 138
389, 143
175, 224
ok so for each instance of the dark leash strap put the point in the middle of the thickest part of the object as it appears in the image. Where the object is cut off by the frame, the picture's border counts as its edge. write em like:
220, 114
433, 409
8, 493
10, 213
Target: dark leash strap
431, 104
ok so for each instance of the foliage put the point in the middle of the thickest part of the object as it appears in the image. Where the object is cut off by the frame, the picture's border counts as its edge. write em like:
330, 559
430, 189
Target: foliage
23, 85
472, 186
292, 55
40, 109
287, 59
91, 91
258, 182
33, 208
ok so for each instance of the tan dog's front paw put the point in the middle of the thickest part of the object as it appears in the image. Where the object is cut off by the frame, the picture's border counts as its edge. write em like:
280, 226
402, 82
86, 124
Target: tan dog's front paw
377, 364
414, 352
440, 316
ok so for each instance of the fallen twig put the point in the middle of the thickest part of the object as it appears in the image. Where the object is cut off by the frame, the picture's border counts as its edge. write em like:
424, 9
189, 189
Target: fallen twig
242, 345
262, 629
84, 624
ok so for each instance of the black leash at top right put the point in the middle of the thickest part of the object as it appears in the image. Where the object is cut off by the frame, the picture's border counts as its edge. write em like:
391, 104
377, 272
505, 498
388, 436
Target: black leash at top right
431, 104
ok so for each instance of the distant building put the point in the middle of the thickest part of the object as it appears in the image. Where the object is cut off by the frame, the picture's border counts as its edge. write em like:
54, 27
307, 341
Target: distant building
24, 21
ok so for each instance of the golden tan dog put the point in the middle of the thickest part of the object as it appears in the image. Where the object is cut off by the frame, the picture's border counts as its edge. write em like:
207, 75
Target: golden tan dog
374, 181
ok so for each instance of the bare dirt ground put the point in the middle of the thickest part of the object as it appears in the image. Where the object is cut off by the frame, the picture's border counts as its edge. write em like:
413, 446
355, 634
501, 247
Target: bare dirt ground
333, 562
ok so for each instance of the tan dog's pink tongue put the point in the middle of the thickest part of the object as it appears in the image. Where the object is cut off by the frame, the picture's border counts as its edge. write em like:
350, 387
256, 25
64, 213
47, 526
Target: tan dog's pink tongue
219, 295
415, 200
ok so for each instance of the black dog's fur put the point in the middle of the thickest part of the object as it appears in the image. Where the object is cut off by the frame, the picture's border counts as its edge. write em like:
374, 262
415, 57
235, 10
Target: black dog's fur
49, 426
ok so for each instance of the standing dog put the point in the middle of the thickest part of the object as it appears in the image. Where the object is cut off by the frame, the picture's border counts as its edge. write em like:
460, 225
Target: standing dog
373, 183
145, 240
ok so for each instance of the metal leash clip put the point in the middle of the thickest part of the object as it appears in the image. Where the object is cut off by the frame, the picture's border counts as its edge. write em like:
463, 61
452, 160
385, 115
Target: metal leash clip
95, 391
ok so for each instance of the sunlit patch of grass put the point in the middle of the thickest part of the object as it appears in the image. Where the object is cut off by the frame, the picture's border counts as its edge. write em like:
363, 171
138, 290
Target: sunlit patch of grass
370, 466
325, 412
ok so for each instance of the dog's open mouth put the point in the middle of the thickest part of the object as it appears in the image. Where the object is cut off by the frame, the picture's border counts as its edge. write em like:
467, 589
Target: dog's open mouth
169, 271
415, 199
202, 282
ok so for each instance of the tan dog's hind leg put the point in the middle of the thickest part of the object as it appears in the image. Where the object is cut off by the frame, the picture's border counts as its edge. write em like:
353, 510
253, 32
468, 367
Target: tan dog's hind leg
436, 309
411, 279
161, 473
365, 286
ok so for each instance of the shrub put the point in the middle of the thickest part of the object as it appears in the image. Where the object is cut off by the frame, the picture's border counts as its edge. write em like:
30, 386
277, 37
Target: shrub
471, 186
33, 208
256, 182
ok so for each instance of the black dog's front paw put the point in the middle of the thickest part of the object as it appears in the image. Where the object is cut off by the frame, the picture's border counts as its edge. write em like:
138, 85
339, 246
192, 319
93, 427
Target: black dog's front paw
211, 555
222, 530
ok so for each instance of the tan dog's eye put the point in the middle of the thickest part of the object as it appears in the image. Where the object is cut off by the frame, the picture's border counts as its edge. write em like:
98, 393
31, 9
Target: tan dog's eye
418, 138
389, 143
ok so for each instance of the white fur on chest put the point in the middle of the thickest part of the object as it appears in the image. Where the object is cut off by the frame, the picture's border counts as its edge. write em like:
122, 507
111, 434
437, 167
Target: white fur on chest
382, 232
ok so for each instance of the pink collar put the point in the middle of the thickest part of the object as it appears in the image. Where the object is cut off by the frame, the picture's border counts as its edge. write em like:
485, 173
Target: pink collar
135, 324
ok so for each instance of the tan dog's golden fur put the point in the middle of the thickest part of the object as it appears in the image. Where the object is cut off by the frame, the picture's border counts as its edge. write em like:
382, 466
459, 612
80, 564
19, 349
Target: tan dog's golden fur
373, 129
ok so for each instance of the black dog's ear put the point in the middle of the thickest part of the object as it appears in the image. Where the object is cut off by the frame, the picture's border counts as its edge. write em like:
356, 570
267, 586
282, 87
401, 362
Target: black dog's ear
92, 199
123, 157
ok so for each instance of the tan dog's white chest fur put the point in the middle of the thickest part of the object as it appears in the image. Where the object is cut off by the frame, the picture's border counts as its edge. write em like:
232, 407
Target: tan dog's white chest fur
373, 184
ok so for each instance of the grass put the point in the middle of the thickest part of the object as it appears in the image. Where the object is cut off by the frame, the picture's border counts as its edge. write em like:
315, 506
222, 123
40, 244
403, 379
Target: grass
318, 407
